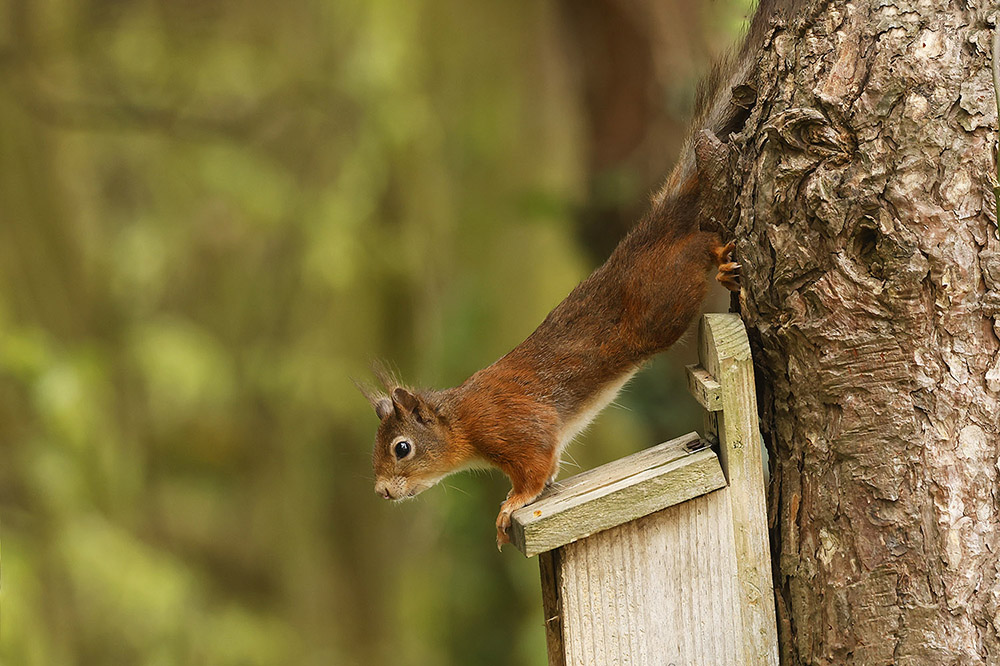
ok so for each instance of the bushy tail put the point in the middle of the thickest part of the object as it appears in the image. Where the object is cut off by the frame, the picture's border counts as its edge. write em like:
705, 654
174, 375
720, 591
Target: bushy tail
723, 105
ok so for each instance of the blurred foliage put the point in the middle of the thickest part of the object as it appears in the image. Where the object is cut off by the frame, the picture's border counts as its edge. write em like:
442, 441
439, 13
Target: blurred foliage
212, 216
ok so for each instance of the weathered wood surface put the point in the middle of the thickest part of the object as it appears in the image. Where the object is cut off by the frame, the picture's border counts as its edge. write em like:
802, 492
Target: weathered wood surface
616, 493
550, 570
724, 352
655, 591
704, 388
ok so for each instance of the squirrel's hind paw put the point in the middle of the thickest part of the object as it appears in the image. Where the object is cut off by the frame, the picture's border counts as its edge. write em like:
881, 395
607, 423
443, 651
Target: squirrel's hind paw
729, 276
729, 270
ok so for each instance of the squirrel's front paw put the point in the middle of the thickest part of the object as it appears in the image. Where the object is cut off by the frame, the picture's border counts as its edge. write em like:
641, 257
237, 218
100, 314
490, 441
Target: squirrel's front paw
503, 523
514, 501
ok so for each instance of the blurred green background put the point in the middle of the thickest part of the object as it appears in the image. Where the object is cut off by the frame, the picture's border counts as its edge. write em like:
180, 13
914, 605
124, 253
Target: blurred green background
212, 216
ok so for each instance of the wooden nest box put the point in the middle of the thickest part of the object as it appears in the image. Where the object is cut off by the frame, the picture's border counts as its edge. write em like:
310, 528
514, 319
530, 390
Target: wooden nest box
662, 557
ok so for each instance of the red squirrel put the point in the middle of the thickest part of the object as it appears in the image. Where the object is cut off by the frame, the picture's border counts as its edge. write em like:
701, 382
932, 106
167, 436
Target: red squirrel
519, 413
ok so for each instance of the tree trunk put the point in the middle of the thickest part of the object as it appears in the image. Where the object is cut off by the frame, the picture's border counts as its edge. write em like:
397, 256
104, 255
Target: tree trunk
868, 239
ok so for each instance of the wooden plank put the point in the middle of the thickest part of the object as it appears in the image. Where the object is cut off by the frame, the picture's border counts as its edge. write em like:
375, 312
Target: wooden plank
623, 467
704, 388
550, 569
655, 591
618, 492
724, 351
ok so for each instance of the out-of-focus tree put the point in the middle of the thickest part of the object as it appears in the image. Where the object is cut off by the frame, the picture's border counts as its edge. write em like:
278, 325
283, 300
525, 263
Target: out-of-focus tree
212, 215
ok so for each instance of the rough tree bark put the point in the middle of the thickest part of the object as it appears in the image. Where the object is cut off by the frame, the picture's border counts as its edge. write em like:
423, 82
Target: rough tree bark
868, 236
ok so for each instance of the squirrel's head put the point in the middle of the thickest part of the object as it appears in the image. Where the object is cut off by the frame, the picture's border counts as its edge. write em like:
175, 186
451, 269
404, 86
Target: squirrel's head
411, 446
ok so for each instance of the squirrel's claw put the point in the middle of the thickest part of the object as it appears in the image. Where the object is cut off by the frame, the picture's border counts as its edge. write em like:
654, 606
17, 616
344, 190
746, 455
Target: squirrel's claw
503, 522
729, 276
514, 501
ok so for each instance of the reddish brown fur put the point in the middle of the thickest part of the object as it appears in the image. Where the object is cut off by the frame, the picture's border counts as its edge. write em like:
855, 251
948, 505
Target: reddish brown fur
516, 413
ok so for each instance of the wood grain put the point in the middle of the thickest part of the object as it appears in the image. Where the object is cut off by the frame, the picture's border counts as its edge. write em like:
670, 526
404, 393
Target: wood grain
550, 572
724, 351
704, 388
655, 591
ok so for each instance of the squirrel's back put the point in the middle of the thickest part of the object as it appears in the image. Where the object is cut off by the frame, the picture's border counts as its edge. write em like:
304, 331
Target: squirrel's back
638, 303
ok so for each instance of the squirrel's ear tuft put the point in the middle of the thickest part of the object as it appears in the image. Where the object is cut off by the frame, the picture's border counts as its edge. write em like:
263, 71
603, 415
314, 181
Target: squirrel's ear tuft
378, 400
385, 376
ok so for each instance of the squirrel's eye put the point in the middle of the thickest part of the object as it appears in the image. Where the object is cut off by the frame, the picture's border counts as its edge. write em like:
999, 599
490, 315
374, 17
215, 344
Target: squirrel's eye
402, 449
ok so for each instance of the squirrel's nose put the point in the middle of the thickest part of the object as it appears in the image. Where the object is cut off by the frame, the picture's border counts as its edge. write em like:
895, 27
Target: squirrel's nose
383, 489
